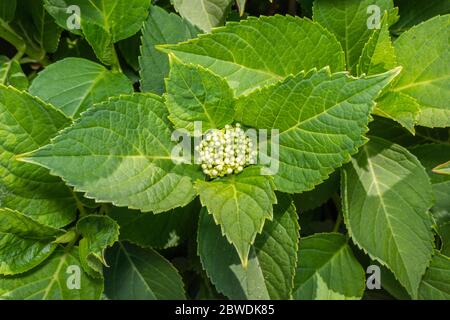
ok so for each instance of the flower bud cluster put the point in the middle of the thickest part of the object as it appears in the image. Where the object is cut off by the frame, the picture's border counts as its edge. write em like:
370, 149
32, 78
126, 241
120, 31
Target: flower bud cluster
226, 151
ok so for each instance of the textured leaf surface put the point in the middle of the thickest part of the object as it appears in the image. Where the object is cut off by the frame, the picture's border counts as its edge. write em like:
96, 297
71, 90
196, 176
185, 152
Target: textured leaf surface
426, 71
348, 20
11, 74
205, 14
399, 107
386, 197
161, 27
327, 269
51, 281
378, 54
24, 243
435, 284
159, 231
271, 263
247, 54
25, 125
196, 94
321, 118
103, 22
430, 155
120, 152
98, 232
73, 85
141, 274
239, 204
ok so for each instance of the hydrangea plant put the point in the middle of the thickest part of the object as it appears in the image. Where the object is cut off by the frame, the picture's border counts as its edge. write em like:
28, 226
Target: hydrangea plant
165, 154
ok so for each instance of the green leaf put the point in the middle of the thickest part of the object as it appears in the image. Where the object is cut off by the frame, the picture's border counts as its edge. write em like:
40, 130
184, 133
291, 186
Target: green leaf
444, 234
399, 107
386, 196
73, 85
41, 27
430, 155
159, 231
240, 204
161, 27
120, 152
272, 259
443, 168
435, 284
327, 269
204, 14
24, 242
11, 74
26, 124
317, 133
55, 279
348, 21
103, 22
241, 6
196, 94
7, 10
98, 232
414, 12
141, 274
426, 71
247, 54
378, 54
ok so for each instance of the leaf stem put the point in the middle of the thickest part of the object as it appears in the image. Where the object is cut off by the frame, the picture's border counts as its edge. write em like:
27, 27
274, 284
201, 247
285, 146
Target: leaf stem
7, 33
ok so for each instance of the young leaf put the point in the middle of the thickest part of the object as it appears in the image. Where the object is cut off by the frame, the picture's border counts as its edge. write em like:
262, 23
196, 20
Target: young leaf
317, 133
426, 71
141, 274
241, 6
205, 14
435, 284
386, 196
26, 124
24, 242
196, 94
378, 54
350, 21
399, 107
11, 74
327, 269
247, 54
430, 155
414, 12
59, 278
443, 168
120, 152
240, 204
161, 27
158, 231
99, 232
73, 85
272, 259
103, 22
